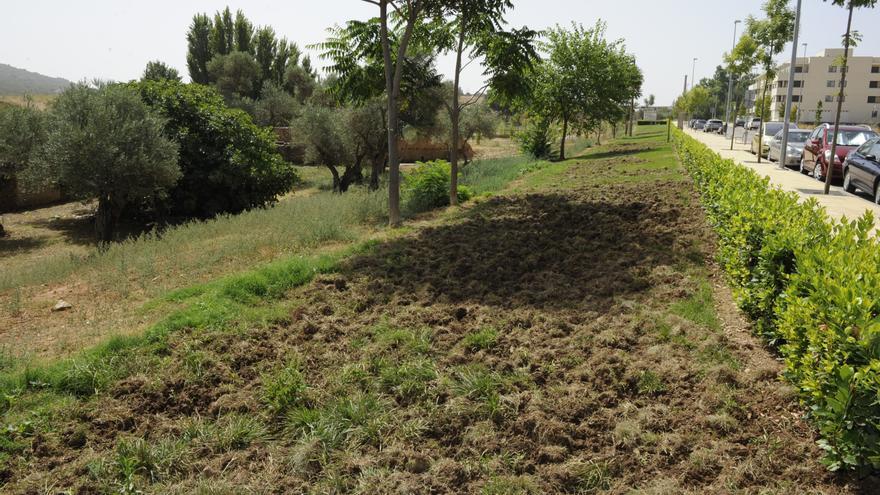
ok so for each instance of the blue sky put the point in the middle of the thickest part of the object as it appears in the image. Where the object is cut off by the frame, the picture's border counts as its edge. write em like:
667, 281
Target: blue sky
113, 39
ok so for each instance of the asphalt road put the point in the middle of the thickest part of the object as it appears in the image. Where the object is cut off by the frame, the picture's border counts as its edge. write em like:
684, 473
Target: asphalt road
838, 203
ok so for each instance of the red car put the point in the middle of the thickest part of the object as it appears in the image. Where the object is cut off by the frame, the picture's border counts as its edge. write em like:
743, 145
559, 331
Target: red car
817, 149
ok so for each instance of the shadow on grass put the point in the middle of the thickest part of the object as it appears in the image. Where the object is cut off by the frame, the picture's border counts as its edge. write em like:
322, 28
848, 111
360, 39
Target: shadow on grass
541, 250
11, 245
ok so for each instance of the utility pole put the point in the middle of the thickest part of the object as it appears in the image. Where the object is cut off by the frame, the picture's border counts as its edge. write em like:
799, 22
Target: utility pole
680, 111
730, 83
783, 150
693, 69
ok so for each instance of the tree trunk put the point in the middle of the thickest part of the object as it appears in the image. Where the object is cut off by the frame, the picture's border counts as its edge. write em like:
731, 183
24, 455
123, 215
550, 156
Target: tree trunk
761, 125
455, 116
733, 122
106, 219
376, 168
336, 180
562, 141
840, 96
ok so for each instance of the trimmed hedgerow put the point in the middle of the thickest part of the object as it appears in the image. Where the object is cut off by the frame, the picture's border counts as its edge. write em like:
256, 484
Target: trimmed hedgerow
812, 285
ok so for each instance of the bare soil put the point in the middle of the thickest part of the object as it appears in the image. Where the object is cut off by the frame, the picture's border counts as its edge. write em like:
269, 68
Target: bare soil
611, 370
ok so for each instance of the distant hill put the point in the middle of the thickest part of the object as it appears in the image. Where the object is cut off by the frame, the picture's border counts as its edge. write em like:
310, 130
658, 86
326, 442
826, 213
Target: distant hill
15, 81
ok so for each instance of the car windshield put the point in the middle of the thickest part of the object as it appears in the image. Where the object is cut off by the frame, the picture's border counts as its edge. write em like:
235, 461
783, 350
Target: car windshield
771, 129
854, 138
797, 137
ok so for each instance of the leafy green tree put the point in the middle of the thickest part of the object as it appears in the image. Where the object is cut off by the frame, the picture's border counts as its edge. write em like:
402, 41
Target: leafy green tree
583, 79
223, 34
159, 71
328, 140
476, 31
243, 33
298, 82
818, 116
199, 51
22, 134
412, 14
276, 107
771, 34
235, 74
228, 163
266, 50
849, 39
106, 143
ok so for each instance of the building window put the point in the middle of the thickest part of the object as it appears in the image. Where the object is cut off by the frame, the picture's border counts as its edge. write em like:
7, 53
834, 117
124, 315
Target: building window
832, 68
781, 84
874, 84
798, 69
841, 98
829, 84
829, 98
875, 69
873, 99
874, 114
842, 83
798, 84
780, 98
796, 98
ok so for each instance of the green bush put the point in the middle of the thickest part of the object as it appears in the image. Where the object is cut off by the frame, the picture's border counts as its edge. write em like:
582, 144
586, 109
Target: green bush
651, 122
427, 186
813, 287
537, 138
228, 163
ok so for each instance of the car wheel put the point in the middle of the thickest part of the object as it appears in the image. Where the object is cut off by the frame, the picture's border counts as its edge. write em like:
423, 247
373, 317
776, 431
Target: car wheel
847, 182
817, 172
877, 193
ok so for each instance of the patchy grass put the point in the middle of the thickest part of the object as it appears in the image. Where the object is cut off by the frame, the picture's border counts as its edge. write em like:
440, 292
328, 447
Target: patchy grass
550, 342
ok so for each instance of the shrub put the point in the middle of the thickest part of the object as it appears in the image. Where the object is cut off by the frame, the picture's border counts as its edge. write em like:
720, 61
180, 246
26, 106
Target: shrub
536, 138
813, 287
428, 186
228, 163
651, 122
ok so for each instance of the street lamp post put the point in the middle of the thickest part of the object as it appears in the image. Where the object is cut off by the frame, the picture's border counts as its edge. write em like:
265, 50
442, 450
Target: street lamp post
693, 69
730, 83
783, 150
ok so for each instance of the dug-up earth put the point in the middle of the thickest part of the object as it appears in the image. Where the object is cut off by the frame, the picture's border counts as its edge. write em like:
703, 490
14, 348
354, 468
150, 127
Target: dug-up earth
570, 336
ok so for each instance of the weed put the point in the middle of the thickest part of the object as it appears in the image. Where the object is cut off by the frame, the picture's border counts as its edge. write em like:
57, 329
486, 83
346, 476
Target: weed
650, 383
284, 389
698, 308
510, 485
231, 432
483, 339
408, 381
592, 477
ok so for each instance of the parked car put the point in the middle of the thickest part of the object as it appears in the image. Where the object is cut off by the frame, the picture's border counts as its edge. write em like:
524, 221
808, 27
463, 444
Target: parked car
739, 123
767, 132
712, 125
698, 125
817, 150
753, 124
861, 169
796, 140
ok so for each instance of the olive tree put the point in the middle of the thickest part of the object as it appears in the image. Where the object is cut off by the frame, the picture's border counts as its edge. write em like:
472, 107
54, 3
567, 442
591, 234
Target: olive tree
105, 143
22, 134
157, 70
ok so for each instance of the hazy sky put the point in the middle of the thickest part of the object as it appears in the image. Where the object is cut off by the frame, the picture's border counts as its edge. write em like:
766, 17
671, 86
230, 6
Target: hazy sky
114, 39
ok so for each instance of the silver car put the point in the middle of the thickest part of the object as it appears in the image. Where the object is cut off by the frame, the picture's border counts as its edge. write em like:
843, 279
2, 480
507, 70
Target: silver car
796, 140
768, 130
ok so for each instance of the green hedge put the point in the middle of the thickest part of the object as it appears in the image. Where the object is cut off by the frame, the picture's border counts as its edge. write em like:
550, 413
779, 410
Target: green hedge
651, 122
812, 285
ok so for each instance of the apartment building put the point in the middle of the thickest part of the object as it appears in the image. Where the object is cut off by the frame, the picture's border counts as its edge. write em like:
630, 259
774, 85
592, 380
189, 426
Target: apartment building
817, 79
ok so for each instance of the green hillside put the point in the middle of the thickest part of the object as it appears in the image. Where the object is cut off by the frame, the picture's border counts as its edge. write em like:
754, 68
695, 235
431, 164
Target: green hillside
15, 81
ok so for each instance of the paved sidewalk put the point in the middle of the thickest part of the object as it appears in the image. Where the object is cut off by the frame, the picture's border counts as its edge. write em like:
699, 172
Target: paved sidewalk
838, 202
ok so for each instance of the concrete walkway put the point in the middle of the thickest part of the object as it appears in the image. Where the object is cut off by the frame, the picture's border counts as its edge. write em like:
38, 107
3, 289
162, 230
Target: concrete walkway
838, 202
